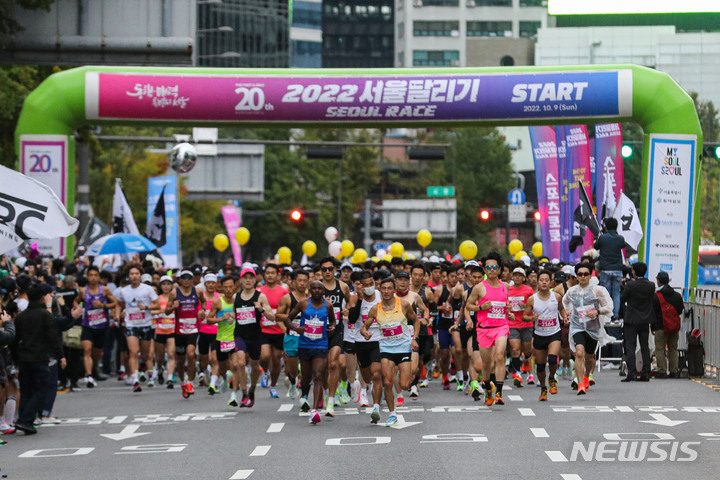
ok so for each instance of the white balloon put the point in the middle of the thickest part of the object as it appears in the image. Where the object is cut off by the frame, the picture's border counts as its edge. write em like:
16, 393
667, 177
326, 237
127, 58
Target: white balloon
434, 258
526, 260
334, 248
380, 253
331, 234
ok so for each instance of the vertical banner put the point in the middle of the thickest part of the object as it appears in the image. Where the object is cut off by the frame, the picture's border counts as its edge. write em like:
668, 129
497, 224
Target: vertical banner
609, 168
563, 181
578, 161
591, 148
232, 223
45, 159
670, 205
171, 250
544, 149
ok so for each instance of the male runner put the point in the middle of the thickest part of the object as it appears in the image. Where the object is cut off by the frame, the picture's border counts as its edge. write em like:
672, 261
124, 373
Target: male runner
207, 333
272, 334
542, 309
250, 306
392, 315
137, 299
339, 295
443, 294
298, 292
222, 315
520, 331
96, 301
317, 320
465, 328
421, 311
425, 336
185, 302
490, 299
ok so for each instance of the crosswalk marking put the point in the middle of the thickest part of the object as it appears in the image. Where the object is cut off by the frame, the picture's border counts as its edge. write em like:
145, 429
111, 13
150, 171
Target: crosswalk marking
526, 412
275, 427
241, 474
540, 433
515, 398
556, 455
285, 407
260, 451
570, 476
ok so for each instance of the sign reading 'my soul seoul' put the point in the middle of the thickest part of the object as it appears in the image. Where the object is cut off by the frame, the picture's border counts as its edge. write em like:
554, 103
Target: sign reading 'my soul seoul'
357, 98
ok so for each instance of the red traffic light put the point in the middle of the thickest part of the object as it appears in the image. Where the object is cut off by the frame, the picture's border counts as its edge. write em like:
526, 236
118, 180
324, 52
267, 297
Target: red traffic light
484, 215
536, 215
296, 215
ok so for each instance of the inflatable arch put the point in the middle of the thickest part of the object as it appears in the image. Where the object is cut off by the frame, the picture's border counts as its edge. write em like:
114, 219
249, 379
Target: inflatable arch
391, 98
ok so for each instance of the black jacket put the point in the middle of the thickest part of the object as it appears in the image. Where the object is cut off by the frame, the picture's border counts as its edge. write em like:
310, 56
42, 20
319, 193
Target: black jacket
610, 245
640, 302
36, 335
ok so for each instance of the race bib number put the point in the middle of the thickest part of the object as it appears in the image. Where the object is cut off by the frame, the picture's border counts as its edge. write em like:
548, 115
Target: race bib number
96, 317
515, 303
314, 329
546, 323
227, 346
392, 331
584, 313
498, 310
187, 326
135, 316
164, 322
245, 315
268, 323
295, 322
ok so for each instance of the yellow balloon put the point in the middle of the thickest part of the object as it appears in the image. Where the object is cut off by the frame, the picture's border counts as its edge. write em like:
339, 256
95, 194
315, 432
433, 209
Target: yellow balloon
284, 255
396, 249
375, 259
221, 242
242, 235
309, 248
346, 248
520, 254
515, 246
537, 249
424, 238
468, 249
360, 255
387, 257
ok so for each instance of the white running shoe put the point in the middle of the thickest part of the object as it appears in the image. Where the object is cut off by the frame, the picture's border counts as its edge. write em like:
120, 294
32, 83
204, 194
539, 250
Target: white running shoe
364, 399
414, 392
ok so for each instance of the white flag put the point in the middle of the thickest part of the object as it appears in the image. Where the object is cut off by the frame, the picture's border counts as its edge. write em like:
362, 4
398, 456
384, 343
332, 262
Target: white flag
30, 210
123, 221
628, 221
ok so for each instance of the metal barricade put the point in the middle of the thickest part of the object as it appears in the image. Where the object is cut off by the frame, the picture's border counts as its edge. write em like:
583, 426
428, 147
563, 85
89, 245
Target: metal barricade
702, 312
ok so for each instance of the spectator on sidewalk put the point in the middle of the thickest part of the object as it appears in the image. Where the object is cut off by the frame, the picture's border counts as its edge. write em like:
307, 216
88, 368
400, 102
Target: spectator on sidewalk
667, 331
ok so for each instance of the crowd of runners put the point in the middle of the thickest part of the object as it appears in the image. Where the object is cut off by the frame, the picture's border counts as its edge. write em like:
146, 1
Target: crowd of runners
365, 334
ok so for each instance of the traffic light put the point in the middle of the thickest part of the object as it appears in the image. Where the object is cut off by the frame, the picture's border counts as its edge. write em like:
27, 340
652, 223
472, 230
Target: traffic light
712, 150
626, 151
537, 216
296, 215
484, 215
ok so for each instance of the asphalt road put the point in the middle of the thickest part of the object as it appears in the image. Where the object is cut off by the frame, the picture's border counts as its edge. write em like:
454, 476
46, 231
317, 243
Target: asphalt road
665, 429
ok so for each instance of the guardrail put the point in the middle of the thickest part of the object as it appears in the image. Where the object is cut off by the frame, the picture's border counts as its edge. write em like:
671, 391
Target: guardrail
702, 311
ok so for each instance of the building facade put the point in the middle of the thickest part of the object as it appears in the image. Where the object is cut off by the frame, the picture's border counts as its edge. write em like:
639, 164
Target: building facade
306, 34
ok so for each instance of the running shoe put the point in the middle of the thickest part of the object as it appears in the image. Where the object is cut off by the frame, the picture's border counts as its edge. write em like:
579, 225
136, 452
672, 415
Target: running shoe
128, 381
246, 402
344, 396
330, 410
517, 380
525, 366
233, 400
543, 395
392, 420
201, 380
476, 395
531, 379
591, 381
273, 393
414, 392
170, 385
355, 391
151, 382
553, 387
121, 376
436, 372
314, 417
581, 389
461, 387
446, 385
184, 389
574, 384
498, 399
190, 389
423, 373
137, 388
6, 429
452, 378
212, 390
374, 416
161, 376
489, 398
292, 391
90, 382
143, 376
400, 401
50, 420
424, 383
265, 380
2, 442
364, 399
304, 405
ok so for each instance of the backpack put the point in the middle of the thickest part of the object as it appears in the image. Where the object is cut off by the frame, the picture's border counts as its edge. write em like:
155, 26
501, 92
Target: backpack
670, 316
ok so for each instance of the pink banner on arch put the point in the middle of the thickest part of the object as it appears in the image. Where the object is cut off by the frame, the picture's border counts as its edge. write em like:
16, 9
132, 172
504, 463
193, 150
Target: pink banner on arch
232, 223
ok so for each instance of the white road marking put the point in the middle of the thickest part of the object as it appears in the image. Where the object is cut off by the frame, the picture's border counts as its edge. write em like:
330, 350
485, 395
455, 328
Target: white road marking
540, 433
260, 451
275, 427
241, 474
556, 455
285, 407
515, 398
526, 412
570, 476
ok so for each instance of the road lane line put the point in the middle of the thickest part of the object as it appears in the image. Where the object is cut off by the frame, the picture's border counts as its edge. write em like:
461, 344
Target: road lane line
285, 407
526, 412
275, 427
241, 474
556, 455
515, 398
570, 476
260, 451
540, 433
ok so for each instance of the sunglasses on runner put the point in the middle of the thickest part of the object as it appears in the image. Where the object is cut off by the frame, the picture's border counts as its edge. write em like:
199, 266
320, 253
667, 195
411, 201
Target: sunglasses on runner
327, 269
492, 267
583, 274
